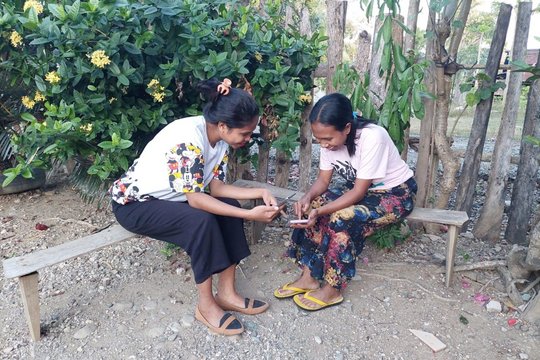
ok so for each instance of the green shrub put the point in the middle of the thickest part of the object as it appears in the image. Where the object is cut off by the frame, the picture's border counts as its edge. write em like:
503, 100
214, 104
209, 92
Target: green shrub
389, 236
106, 75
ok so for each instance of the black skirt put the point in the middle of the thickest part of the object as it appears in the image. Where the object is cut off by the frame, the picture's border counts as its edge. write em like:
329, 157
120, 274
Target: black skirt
213, 242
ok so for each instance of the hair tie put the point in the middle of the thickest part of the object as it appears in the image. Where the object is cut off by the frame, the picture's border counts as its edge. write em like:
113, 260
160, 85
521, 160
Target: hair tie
355, 115
224, 87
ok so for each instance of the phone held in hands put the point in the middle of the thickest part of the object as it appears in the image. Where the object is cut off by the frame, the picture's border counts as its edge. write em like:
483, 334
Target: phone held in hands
301, 221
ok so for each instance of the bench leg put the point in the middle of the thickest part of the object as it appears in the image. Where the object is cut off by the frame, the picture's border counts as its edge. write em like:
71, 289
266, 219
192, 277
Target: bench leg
30, 298
254, 229
450, 253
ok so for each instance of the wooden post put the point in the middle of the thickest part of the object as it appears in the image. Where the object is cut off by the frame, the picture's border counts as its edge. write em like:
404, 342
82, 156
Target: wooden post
522, 202
30, 298
473, 154
427, 161
451, 253
488, 226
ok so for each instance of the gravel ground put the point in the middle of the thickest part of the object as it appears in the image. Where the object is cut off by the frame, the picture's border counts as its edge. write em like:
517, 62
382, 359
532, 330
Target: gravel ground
131, 302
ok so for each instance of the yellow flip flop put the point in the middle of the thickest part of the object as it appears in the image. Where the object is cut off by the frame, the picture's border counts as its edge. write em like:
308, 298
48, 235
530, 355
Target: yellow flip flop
321, 304
288, 287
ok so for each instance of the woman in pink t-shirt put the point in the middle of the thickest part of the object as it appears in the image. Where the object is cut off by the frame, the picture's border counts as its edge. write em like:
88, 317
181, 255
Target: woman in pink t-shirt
379, 190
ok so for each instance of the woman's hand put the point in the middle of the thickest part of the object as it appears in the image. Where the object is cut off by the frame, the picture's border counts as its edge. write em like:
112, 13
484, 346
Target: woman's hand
268, 198
263, 213
302, 206
311, 220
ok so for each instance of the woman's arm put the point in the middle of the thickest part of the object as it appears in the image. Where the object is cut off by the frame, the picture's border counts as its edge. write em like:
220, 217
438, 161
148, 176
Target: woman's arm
220, 189
212, 205
349, 198
319, 186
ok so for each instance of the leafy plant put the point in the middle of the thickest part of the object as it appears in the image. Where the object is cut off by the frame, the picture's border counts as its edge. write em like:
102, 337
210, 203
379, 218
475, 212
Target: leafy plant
404, 78
169, 250
389, 236
105, 76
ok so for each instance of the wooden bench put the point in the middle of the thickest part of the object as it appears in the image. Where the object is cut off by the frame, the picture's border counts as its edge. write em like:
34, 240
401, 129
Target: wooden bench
26, 267
453, 219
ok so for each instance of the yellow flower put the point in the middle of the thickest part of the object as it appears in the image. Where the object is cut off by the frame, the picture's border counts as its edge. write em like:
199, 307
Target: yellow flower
157, 90
258, 56
305, 98
39, 96
34, 5
27, 102
53, 77
100, 59
153, 83
86, 128
158, 96
15, 38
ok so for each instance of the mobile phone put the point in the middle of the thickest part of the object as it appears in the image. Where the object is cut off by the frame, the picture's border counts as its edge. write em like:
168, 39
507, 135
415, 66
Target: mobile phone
302, 221
284, 202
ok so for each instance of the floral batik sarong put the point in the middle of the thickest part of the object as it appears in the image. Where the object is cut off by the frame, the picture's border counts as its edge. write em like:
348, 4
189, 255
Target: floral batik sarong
330, 248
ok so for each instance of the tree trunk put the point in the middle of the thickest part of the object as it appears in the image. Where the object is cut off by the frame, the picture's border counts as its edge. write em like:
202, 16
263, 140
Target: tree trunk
412, 20
306, 151
488, 226
457, 35
377, 83
522, 204
306, 139
427, 161
532, 261
264, 152
335, 17
471, 165
283, 166
409, 42
363, 51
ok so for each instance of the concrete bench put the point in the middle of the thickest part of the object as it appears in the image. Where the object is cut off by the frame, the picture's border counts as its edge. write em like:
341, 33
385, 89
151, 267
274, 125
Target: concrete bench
453, 219
26, 267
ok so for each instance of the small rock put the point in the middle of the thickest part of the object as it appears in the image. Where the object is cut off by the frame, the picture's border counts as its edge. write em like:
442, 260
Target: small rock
122, 306
494, 306
523, 356
187, 320
84, 332
175, 327
150, 305
7, 350
526, 297
318, 340
172, 337
155, 332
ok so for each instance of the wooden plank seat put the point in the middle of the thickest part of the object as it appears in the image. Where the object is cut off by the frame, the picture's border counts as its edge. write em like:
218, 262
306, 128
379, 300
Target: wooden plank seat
26, 267
453, 219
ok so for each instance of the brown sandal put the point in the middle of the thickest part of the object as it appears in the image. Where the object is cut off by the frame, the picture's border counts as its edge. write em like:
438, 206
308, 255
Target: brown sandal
228, 325
251, 306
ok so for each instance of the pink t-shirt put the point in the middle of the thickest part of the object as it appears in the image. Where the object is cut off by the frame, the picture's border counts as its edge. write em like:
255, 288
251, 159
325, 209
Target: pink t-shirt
376, 158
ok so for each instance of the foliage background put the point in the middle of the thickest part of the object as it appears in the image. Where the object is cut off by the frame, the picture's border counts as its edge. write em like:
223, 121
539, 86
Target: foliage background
102, 111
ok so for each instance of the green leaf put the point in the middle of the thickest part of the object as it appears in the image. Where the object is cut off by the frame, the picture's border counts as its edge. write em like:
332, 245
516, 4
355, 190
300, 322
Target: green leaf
28, 117
39, 41
132, 49
122, 79
58, 11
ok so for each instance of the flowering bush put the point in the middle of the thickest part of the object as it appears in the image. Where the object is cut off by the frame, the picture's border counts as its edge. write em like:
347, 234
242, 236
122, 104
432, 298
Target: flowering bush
107, 74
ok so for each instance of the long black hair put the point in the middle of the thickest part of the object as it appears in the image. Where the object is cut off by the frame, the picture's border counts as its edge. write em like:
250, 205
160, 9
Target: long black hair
336, 110
236, 109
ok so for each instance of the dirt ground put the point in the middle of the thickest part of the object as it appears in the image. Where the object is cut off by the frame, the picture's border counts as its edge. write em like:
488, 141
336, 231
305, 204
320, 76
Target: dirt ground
130, 301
